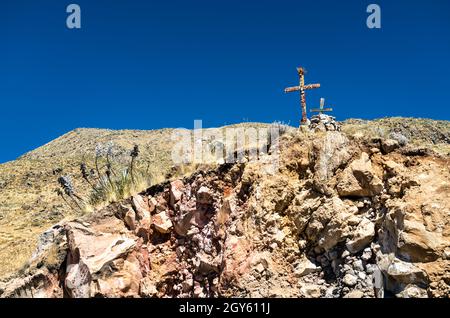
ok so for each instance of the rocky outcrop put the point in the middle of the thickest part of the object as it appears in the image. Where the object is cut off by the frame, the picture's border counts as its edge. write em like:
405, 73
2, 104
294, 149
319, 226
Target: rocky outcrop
339, 220
359, 179
323, 122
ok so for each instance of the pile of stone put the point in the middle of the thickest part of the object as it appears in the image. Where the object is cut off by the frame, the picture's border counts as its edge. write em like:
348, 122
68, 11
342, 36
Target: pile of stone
323, 122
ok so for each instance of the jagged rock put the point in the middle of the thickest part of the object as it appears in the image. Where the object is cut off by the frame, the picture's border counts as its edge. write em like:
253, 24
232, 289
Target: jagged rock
350, 280
328, 228
305, 267
310, 291
147, 288
354, 294
329, 153
400, 274
359, 179
124, 281
130, 219
162, 222
204, 196
389, 145
141, 207
176, 191
240, 231
367, 254
362, 236
42, 284
302, 207
412, 291
152, 203
207, 263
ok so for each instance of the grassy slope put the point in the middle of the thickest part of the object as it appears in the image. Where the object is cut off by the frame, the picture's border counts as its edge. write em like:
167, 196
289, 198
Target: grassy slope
28, 202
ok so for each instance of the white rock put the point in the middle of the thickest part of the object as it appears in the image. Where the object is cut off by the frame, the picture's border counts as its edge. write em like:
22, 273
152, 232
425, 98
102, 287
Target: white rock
260, 268
364, 234
349, 280
204, 196
176, 191
358, 265
412, 291
279, 237
367, 254
310, 291
354, 294
305, 267
162, 222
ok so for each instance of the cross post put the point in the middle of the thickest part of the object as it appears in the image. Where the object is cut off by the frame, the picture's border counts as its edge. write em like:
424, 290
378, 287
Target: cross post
302, 88
321, 110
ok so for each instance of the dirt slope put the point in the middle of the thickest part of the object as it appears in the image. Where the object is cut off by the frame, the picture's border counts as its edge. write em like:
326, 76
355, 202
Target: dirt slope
346, 215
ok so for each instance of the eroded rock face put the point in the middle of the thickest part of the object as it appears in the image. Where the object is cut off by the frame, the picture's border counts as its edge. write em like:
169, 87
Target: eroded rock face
334, 222
359, 179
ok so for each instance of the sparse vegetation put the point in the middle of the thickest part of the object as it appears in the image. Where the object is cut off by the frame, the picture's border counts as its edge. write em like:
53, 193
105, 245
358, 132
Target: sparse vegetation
110, 181
28, 210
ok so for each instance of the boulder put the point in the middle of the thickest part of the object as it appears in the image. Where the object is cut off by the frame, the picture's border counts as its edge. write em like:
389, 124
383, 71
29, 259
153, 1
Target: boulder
362, 236
329, 153
305, 267
412, 291
350, 280
124, 281
204, 196
176, 191
140, 206
162, 222
130, 219
399, 274
389, 145
359, 179
95, 249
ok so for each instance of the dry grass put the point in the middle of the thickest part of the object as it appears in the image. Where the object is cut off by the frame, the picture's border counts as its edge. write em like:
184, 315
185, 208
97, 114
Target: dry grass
29, 204
434, 134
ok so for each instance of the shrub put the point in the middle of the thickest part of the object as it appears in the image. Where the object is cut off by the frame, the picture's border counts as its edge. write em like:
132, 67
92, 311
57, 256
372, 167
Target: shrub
116, 175
115, 179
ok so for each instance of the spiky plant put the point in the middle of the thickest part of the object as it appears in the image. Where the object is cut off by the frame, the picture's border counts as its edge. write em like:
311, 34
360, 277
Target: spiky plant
67, 186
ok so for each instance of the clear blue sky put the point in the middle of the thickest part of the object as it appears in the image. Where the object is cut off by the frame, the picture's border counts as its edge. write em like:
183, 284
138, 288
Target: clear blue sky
152, 64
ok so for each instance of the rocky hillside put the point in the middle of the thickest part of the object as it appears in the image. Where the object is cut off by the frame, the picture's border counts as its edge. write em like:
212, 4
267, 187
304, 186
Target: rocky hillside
359, 213
29, 203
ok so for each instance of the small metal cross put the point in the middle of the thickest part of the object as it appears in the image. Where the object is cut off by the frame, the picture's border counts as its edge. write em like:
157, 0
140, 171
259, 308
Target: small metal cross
321, 110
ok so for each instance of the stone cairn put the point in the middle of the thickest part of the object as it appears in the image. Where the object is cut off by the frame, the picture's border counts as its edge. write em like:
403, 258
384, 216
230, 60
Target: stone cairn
322, 122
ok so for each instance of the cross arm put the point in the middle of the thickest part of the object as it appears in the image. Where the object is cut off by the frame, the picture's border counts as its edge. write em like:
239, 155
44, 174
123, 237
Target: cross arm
292, 89
298, 88
318, 110
312, 86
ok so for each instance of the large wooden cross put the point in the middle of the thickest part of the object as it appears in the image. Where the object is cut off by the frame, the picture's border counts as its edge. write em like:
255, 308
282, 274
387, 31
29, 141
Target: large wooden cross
302, 88
321, 110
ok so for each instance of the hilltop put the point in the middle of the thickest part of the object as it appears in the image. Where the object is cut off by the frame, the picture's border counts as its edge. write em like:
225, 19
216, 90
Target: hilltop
29, 205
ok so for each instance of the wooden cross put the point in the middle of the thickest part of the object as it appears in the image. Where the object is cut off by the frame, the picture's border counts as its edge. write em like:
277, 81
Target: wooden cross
321, 110
302, 88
